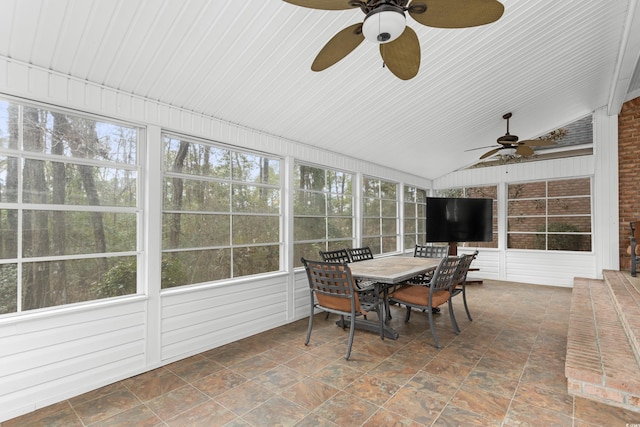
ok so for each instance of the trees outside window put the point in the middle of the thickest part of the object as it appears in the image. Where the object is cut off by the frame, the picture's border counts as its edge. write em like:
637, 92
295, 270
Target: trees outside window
221, 212
415, 202
380, 215
69, 207
550, 215
323, 211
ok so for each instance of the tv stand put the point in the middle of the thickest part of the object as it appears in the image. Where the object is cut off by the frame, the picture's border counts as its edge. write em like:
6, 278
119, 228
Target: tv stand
453, 251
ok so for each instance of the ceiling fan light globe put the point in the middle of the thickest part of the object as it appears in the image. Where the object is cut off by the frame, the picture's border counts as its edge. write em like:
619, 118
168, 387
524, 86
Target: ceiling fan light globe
384, 24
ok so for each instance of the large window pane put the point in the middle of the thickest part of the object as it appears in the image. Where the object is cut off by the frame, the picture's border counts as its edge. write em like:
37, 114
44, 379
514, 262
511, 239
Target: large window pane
196, 266
190, 157
76, 220
380, 215
73, 233
250, 198
323, 211
339, 228
182, 230
550, 215
8, 233
68, 135
73, 184
255, 260
252, 229
414, 216
8, 288
196, 195
309, 203
234, 200
8, 179
253, 168
72, 281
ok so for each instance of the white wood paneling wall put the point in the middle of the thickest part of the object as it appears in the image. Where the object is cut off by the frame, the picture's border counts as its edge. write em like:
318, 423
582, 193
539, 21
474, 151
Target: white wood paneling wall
48, 356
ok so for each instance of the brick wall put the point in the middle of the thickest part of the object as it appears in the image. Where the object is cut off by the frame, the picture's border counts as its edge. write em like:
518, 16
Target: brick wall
629, 173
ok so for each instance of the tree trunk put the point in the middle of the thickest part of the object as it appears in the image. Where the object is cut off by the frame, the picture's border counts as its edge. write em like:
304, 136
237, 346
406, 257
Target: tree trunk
83, 142
60, 130
36, 242
178, 165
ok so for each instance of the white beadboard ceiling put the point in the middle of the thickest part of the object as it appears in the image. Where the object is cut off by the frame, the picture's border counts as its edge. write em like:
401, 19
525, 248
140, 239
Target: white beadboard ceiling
248, 62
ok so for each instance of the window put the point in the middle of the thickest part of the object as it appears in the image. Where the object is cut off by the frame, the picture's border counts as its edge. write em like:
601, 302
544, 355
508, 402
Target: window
380, 215
221, 213
69, 207
484, 192
323, 211
550, 215
415, 202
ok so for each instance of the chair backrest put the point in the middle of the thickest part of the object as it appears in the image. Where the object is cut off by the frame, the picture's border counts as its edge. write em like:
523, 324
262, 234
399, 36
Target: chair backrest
424, 251
337, 256
463, 268
333, 285
360, 254
635, 230
445, 273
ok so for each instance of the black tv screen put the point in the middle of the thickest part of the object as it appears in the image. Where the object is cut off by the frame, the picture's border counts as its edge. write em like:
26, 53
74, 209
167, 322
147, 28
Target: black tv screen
452, 219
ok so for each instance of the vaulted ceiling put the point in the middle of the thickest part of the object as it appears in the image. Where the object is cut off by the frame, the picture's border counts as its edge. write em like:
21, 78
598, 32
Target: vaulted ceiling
248, 62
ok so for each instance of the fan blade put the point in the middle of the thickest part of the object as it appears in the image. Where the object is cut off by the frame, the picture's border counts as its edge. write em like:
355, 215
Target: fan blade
402, 56
322, 4
338, 47
479, 148
538, 142
457, 13
524, 150
490, 153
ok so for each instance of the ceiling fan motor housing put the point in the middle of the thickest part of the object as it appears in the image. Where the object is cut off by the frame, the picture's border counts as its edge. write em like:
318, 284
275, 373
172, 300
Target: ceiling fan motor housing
384, 24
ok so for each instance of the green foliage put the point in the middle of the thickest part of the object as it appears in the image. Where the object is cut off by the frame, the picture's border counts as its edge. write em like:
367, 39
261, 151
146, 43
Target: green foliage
121, 278
8, 288
558, 242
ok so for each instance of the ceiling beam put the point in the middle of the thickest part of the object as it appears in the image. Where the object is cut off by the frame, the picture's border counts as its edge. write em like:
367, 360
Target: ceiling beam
627, 59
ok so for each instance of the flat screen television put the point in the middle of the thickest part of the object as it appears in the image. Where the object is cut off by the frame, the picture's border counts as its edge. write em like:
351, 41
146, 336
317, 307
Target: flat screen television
451, 219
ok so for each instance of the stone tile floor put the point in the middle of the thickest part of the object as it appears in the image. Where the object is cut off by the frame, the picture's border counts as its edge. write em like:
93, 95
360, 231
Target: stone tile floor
506, 368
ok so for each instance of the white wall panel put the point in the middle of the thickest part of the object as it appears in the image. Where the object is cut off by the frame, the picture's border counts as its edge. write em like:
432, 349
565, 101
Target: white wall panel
198, 319
46, 357
549, 268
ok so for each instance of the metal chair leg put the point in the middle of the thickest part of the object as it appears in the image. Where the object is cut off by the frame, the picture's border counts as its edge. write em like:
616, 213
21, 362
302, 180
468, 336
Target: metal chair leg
464, 298
452, 316
352, 330
310, 326
433, 329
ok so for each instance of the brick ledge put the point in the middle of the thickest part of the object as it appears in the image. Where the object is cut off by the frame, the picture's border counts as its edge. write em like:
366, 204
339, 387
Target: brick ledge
600, 363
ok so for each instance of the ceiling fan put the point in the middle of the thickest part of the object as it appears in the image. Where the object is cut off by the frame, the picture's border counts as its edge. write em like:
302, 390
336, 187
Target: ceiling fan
510, 142
385, 24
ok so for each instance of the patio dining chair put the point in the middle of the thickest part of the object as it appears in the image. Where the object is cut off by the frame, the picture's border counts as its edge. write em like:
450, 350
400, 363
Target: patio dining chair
428, 251
460, 279
634, 246
332, 289
337, 256
360, 254
426, 298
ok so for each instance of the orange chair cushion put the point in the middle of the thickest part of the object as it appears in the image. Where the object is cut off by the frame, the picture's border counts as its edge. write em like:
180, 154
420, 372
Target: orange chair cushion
419, 295
335, 303
637, 250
